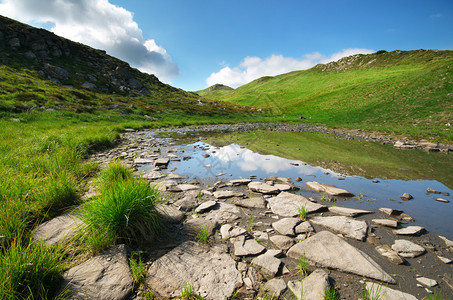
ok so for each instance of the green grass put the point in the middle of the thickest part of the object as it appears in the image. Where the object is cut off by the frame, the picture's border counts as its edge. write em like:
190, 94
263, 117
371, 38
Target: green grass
302, 211
302, 265
408, 93
125, 211
330, 293
187, 293
138, 268
203, 235
374, 293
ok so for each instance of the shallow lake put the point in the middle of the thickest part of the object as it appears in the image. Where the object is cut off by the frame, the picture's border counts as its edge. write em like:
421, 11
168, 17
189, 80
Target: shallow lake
377, 174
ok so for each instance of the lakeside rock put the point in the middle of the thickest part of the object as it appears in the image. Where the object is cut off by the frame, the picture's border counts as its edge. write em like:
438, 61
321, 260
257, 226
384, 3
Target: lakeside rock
347, 226
328, 189
288, 205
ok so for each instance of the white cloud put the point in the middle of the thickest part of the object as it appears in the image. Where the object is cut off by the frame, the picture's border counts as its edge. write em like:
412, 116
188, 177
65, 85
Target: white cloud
98, 24
252, 68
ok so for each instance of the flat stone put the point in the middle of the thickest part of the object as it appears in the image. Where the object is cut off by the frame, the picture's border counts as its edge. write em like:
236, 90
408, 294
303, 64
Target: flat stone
187, 203
227, 231
283, 187
442, 200
282, 242
427, 281
238, 182
223, 213
58, 230
275, 287
161, 162
286, 226
390, 254
349, 227
348, 212
328, 189
153, 175
255, 202
327, 250
383, 292
105, 276
268, 264
187, 187
410, 230
210, 271
143, 161
194, 226
448, 243
227, 194
390, 211
274, 252
169, 213
247, 247
205, 206
407, 248
175, 176
385, 222
288, 204
263, 188
445, 260
313, 287
304, 227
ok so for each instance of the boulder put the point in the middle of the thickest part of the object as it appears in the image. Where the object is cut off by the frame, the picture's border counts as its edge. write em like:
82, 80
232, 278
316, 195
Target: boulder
286, 226
244, 247
383, 292
288, 204
313, 287
193, 226
328, 189
349, 227
282, 241
170, 214
187, 203
223, 213
268, 264
58, 230
348, 212
328, 250
275, 287
205, 206
254, 202
304, 227
105, 276
407, 248
211, 272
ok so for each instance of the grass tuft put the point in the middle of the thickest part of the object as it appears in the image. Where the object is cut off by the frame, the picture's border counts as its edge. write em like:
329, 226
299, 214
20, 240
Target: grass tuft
138, 268
302, 211
203, 235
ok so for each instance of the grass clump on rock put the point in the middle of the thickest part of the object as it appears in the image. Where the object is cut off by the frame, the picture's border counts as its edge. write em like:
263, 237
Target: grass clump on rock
125, 210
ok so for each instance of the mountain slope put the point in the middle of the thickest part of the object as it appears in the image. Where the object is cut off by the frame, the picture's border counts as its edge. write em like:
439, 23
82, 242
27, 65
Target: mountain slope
215, 91
402, 91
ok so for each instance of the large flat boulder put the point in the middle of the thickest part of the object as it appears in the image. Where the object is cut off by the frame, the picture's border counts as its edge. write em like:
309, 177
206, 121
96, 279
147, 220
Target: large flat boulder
328, 189
254, 202
223, 213
288, 204
348, 212
58, 230
349, 227
105, 276
263, 188
227, 194
407, 248
328, 250
211, 272
313, 287
383, 292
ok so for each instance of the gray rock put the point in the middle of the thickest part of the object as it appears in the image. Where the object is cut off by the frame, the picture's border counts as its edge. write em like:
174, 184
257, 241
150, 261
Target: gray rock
442, 200
153, 175
255, 202
288, 204
383, 292
89, 85
186, 187
205, 206
443, 259
56, 72
448, 243
244, 247
263, 188
174, 176
143, 161
227, 194
390, 254
349, 227
283, 187
275, 287
348, 212
268, 264
210, 271
282, 242
223, 213
105, 276
187, 203
390, 211
328, 189
312, 287
14, 42
58, 230
161, 162
170, 214
406, 197
237, 182
427, 281
286, 226
304, 227
385, 222
227, 231
327, 250
407, 249
410, 230
193, 226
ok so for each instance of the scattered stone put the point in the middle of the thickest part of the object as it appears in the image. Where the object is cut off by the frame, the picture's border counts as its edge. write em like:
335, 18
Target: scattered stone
426, 281
298, 179
58, 230
205, 206
247, 247
186, 187
288, 204
286, 226
174, 176
312, 287
211, 272
327, 250
206, 155
328, 189
227, 194
442, 200
161, 162
406, 218
304, 227
406, 197
260, 235
383, 292
223, 213
170, 213
432, 191
445, 260
153, 175
348, 212
407, 248
275, 253
448, 243
262, 188
349, 227
385, 222
143, 161
390, 254
269, 265
390, 211
283, 187
410, 230
105, 276
282, 242
254, 202
238, 182
193, 226
275, 287
227, 231
187, 203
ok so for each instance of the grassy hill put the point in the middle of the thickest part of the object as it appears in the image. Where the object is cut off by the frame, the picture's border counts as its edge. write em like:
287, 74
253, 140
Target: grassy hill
215, 91
407, 92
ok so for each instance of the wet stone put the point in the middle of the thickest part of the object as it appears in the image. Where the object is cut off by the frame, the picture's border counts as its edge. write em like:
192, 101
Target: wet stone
390, 211
410, 230
385, 222
348, 212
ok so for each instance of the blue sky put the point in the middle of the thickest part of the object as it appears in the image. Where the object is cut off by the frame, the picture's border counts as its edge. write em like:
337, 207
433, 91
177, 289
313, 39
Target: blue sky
193, 44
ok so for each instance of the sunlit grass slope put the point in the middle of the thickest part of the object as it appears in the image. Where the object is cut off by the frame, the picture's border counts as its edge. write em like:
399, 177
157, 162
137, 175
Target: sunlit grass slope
408, 92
